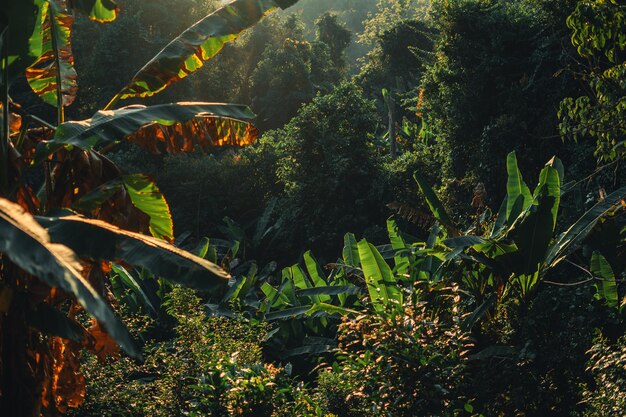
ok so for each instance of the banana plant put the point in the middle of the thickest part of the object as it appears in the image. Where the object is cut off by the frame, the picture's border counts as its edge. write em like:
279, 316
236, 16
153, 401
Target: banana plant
522, 245
60, 241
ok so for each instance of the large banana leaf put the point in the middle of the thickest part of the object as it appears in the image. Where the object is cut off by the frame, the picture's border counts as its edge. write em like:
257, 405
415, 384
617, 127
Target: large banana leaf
533, 233
197, 44
567, 242
178, 126
29, 246
401, 257
53, 72
381, 284
350, 250
97, 10
101, 241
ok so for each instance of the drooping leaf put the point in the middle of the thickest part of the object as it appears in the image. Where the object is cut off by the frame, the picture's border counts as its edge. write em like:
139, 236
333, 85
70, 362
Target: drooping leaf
132, 283
569, 241
518, 196
605, 279
56, 62
478, 314
97, 10
197, 44
433, 202
29, 246
52, 322
175, 127
381, 284
145, 195
287, 313
102, 241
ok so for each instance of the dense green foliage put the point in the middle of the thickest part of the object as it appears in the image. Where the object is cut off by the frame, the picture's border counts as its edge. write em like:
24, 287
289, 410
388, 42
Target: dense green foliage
431, 220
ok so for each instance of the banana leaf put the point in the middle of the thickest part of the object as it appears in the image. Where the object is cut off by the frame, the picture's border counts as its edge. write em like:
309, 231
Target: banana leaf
98, 240
97, 10
30, 247
197, 44
380, 281
174, 127
53, 72
606, 285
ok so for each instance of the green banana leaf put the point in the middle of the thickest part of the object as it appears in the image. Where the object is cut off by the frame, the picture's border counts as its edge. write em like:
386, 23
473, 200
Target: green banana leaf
518, 196
350, 251
401, 259
199, 43
179, 126
53, 72
435, 205
145, 195
25, 46
316, 274
97, 10
605, 284
30, 247
569, 241
380, 281
98, 240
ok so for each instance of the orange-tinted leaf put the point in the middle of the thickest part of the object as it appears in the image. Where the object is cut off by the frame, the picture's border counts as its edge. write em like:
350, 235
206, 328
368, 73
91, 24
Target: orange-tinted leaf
15, 123
102, 345
65, 385
56, 60
203, 133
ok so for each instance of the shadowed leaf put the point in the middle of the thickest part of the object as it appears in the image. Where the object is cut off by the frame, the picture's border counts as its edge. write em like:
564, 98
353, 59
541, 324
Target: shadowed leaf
29, 246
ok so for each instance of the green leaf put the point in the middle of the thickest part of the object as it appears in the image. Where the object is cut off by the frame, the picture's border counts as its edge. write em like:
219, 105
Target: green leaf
145, 196
316, 274
381, 284
606, 286
287, 313
433, 202
102, 241
29, 246
350, 251
199, 43
478, 314
24, 31
56, 62
130, 282
401, 259
567, 242
158, 125
518, 193
97, 10
331, 309
330, 290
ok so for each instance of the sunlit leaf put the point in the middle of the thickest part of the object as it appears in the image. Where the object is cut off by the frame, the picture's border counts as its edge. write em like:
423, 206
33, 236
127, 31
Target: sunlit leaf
29, 246
96, 10
175, 127
381, 284
145, 195
56, 62
199, 43
518, 196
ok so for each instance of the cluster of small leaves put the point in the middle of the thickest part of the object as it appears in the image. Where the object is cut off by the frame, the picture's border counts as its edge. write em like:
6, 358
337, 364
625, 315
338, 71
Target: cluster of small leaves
607, 364
599, 34
403, 363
